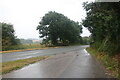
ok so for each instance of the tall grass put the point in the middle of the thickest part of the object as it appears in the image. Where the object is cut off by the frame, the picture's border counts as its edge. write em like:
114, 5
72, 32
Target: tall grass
110, 62
106, 46
25, 46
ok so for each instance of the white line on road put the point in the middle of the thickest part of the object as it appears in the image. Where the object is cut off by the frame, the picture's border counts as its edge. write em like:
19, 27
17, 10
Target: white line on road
24, 57
28, 54
86, 53
35, 53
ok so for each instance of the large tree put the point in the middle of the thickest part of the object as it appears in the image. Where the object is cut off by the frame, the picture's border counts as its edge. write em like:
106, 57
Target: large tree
8, 37
57, 28
103, 21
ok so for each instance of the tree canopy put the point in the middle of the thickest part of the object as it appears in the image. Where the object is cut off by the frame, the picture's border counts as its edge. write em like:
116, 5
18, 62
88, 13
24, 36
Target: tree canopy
8, 37
57, 28
103, 21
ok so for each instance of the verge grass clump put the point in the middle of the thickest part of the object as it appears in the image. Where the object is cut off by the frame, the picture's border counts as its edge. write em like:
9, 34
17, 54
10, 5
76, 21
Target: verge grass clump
106, 46
110, 62
14, 65
25, 46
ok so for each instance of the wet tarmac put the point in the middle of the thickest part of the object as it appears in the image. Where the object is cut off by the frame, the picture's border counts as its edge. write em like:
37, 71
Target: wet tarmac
34, 53
73, 64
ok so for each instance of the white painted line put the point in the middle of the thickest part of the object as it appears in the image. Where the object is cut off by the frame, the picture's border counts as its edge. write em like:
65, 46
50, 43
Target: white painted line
25, 57
23, 54
35, 53
28, 54
28, 57
86, 53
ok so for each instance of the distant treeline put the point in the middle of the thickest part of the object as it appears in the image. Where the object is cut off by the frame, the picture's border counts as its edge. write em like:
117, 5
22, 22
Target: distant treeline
29, 41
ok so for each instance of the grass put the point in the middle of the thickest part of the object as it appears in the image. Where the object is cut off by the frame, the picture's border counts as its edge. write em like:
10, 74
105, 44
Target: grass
25, 47
14, 65
110, 62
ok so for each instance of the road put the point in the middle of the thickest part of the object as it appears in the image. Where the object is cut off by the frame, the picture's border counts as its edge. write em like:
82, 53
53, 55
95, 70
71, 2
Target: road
34, 53
76, 63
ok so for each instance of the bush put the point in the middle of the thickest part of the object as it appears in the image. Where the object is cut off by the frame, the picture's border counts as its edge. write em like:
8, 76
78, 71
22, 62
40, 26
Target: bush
108, 47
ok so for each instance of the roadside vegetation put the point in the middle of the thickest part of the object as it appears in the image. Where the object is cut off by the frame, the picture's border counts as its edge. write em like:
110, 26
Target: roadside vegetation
14, 65
8, 36
110, 62
25, 46
103, 21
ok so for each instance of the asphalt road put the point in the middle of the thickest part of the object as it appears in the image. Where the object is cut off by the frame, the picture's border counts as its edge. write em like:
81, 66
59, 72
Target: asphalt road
34, 53
76, 63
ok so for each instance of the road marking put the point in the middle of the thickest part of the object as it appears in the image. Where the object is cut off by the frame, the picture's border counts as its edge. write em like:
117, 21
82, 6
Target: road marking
28, 54
86, 53
24, 57
35, 53
28, 57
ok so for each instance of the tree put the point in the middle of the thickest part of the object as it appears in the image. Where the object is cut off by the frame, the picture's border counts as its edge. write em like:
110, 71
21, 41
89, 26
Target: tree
57, 28
8, 37
0, 36
103, 21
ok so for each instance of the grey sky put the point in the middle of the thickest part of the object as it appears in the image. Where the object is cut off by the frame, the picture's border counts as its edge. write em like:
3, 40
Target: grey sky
26, 14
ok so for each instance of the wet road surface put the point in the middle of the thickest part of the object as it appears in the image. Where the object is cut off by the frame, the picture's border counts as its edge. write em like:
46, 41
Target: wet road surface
34, 53
73, 64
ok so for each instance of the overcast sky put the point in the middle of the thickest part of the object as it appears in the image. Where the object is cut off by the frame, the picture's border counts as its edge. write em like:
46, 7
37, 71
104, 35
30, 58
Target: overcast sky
26, 14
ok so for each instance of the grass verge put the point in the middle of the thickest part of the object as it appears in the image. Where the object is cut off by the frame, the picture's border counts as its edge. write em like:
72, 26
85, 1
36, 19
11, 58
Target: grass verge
25, 47
14, 65
28, 47
110, 62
